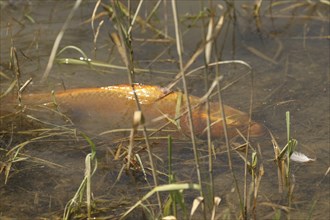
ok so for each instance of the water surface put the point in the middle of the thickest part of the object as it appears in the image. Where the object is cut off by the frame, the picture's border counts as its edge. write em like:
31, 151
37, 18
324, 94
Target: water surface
288, 51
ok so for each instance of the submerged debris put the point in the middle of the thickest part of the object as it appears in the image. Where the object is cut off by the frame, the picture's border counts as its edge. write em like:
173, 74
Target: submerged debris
300, 157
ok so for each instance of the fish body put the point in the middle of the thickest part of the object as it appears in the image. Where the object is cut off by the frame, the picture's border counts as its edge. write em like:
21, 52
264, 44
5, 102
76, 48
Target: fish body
112, 107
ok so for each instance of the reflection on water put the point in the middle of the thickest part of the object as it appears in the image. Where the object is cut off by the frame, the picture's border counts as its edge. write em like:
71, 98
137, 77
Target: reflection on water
287, 46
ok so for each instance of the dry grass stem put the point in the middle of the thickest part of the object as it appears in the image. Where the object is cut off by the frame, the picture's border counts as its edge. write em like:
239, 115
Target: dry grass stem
58, 40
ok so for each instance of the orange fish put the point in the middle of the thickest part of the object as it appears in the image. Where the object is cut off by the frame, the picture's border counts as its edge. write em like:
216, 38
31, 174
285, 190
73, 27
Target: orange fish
112, 107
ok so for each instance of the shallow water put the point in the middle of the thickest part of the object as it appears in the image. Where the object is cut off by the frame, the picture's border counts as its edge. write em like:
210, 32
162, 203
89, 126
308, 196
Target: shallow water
291, 75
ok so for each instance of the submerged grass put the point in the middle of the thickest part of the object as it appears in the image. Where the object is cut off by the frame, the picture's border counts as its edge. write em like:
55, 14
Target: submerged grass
282, 157
125, 32
85, 187
179, 47
58, 40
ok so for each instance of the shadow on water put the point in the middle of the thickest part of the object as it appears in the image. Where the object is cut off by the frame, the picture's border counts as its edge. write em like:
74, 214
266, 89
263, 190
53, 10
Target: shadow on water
287, 44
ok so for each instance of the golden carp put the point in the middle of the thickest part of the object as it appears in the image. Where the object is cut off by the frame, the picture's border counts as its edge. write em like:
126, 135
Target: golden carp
112, 107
